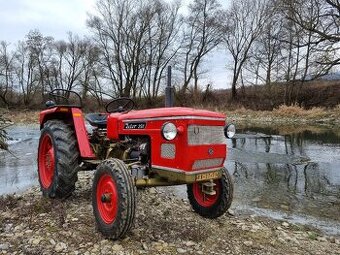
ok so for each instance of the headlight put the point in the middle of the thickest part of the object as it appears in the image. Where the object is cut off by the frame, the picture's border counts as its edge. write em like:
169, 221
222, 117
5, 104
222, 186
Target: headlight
229, 130
169, 131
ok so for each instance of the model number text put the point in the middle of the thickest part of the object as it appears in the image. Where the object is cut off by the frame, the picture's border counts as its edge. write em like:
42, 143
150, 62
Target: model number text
135, 125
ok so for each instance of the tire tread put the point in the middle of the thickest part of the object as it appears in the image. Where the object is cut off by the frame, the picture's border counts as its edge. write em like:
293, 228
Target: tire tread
67, 159
127, 199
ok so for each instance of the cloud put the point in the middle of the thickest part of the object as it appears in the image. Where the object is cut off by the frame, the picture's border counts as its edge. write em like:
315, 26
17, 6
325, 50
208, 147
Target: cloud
51, 17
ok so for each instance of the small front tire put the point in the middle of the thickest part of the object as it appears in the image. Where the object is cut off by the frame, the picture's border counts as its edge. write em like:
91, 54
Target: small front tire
212, 206
113, 199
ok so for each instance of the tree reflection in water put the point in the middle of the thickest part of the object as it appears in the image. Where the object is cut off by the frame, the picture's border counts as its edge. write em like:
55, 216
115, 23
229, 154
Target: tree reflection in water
271, 171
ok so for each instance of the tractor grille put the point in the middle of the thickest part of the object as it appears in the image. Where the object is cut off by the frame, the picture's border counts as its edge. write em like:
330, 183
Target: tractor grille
207, 163
198, 135
168, 151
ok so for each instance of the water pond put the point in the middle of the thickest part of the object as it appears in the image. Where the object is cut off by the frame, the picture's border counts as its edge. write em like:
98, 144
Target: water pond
286, 172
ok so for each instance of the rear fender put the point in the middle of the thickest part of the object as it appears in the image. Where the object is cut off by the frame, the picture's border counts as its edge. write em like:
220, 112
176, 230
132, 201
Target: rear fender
73, 116
59, 113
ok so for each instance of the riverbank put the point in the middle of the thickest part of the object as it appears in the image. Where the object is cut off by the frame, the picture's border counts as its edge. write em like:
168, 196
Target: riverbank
165, 224
279, 116
21, 117
282, 115
287, 115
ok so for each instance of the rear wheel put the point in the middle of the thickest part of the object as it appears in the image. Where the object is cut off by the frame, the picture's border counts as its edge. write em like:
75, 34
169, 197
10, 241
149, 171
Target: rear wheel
113, 199
212, 206
58, 158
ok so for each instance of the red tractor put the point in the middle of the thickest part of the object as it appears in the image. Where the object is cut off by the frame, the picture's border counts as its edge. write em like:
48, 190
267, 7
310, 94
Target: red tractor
129, 149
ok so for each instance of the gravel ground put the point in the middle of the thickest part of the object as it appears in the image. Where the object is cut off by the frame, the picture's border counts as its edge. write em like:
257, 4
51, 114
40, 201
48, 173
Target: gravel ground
165, 224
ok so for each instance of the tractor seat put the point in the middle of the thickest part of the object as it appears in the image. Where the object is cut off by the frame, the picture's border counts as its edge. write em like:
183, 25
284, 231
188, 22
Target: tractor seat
98, 120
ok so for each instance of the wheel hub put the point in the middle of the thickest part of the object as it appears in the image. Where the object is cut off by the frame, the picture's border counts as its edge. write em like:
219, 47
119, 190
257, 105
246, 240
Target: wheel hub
106, 197
206, 194
208, 188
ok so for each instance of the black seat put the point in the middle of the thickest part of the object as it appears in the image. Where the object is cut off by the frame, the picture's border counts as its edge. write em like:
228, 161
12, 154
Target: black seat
97, 119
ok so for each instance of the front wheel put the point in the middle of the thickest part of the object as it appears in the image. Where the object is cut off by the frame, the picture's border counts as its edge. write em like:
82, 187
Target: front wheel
212, 206
113, 199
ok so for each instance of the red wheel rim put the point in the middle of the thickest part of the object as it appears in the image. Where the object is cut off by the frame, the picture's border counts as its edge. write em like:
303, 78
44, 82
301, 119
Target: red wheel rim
107, 198
203, 199
46, 161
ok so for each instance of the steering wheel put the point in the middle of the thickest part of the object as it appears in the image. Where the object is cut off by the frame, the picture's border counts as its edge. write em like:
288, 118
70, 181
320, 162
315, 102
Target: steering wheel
65, 95
123, 104
59, 96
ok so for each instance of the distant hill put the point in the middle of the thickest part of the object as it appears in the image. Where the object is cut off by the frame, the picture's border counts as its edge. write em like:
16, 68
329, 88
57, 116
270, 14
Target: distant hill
330, 77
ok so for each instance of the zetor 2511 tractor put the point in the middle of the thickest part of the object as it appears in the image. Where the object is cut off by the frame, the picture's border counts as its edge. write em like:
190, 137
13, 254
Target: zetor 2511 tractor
129, 149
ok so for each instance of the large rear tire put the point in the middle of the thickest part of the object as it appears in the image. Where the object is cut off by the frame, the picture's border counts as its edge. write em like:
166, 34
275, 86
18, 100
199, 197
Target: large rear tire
113, 199
212, 206
58, 159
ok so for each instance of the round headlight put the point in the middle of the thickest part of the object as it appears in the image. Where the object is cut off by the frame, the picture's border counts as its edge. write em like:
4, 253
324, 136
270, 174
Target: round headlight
229, 131
169, 131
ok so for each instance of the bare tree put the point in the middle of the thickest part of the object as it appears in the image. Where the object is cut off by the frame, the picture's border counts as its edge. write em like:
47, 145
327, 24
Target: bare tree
41, 52
119, 34
321, 18
265, 57
26, 72
90, 65
70, 57
203, 33
161, 46
244, 24
325, 19
137, 41
306, 55
6, 72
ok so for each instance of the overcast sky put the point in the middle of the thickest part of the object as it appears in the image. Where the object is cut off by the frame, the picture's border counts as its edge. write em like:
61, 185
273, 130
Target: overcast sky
56, 17
51, 17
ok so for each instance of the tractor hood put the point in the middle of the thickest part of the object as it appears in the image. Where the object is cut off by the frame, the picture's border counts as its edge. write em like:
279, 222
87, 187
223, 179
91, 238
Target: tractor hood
172, 112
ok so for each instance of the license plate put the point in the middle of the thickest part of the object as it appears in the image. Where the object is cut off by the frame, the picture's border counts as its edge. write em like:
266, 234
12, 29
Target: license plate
207, 176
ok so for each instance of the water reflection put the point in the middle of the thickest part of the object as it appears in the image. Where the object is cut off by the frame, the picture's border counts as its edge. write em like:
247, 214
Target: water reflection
18, 168
296, 173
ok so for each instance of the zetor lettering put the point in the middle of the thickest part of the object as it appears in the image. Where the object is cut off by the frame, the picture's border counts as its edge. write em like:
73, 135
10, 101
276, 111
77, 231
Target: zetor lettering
133, 148
135, 125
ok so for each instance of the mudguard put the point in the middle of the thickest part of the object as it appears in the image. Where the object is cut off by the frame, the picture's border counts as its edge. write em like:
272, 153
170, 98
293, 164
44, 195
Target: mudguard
73, 116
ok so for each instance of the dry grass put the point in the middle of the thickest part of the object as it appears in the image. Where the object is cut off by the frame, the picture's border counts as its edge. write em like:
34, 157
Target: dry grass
288, 114
297, 111
24, 117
